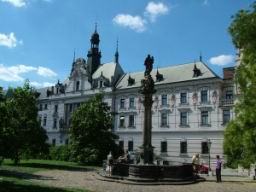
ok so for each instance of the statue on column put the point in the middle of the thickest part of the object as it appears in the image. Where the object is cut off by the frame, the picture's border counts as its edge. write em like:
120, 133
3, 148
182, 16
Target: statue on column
149, 65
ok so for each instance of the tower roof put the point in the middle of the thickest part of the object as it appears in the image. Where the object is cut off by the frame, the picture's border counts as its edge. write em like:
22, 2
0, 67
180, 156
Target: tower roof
95, 38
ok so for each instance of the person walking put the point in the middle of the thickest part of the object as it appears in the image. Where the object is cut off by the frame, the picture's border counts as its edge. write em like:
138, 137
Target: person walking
218, 169
196, 163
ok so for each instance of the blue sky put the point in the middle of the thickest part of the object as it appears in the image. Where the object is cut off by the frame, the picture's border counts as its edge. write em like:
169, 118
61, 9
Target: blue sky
38, 37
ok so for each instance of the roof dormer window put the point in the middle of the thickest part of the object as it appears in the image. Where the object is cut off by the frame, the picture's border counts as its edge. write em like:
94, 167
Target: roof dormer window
159, 76
131, 81
77, 85
197, 72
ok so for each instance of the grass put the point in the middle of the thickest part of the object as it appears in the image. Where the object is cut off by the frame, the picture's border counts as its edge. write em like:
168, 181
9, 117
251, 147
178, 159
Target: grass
14, 178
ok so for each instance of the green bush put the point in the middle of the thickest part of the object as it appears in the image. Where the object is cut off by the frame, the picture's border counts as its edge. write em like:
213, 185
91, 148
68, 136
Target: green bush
61, 153
1, 160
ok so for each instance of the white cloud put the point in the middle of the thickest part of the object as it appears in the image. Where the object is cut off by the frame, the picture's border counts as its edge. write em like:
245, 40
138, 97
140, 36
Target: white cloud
13, 73
8, 75
39, 85
16, 3
153, 10
21, 69
46, 72
9, 41
136, 23
221, 60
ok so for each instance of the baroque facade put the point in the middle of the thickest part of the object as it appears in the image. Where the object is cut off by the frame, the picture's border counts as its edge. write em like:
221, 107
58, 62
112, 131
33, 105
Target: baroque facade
191, 106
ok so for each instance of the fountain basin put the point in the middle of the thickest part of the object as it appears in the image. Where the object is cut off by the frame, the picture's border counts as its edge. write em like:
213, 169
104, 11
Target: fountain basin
161, 172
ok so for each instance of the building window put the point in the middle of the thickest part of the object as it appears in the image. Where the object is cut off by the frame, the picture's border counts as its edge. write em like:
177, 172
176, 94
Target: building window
101, 84
121, 144
70, 107
163, 146
164, 122
184, 118
204, 118
204, 146
131, 121
55, 123
122, 121
183, 147
122, 103
204, 96
164, 100
183, 98
229, 95
40, 107
132, 104
130, 145
226, 116
45, 106
55, 108
40, 120
77, 85
70, 122
53, 142
45, 120
66, 142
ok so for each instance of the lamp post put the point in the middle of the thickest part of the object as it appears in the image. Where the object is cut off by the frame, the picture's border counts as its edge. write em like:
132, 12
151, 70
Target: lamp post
209, 143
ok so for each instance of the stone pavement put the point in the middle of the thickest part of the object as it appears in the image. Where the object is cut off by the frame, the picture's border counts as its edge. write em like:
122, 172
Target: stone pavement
88, 180
230, 179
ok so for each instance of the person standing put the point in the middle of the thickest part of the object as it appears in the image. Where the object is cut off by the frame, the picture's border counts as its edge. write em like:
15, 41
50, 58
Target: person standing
109, 163
218, 168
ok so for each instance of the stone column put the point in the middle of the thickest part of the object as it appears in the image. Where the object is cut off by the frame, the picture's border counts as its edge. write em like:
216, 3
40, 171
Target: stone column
147, 131
147, 89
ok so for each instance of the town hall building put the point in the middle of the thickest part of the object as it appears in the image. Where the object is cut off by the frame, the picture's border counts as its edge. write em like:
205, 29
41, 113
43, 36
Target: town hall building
191, 106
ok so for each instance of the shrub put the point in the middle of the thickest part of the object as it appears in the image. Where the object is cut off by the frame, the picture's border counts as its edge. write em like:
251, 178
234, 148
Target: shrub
61, 153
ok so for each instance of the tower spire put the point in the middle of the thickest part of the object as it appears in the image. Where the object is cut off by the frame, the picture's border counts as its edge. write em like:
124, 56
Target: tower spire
200, 57
96, 25
117, 54
94, 54
74, 57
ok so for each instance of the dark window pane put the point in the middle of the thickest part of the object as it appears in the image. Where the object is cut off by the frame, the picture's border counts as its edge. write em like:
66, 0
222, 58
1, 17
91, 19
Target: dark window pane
164, 119
122, 103
204, 118
183, 118
183, 98
204, 96
204, 146
130, 145
183, 147
121, 144
226, 116
163, 146
164, 100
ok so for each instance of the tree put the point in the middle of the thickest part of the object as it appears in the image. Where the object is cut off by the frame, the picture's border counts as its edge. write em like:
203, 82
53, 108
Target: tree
21, 133
2, 117
240, 134
91, 136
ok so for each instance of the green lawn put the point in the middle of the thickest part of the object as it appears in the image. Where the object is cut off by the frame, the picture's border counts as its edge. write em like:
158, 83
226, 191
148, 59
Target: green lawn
14, 178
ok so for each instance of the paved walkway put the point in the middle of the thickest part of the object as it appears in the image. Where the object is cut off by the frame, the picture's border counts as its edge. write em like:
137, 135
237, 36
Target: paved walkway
88, 180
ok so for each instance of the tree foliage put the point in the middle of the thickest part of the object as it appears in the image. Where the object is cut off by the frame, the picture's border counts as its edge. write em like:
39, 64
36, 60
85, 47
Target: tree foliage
20, 131
91, 136
240, 134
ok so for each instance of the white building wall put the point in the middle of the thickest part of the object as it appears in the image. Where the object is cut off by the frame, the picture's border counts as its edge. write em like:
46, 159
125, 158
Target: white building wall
194, 134
173, 134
